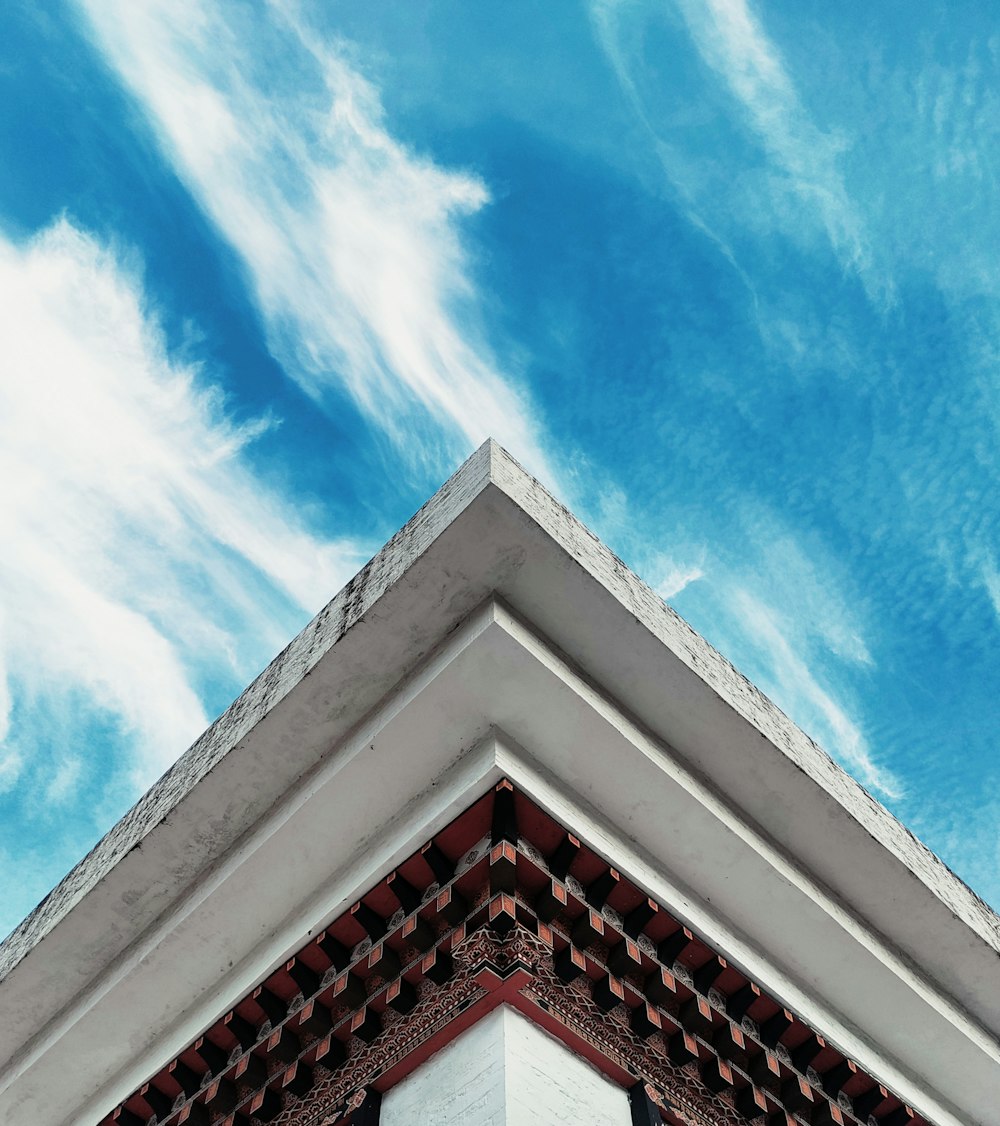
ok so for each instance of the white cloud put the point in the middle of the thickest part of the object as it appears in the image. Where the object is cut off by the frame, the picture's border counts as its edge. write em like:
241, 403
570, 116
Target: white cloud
141, 553
353, 244
991, 584
783, 609
676, 578
806, 160
798, 690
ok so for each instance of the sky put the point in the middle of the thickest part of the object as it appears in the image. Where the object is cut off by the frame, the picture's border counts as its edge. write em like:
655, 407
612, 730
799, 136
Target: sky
724, 275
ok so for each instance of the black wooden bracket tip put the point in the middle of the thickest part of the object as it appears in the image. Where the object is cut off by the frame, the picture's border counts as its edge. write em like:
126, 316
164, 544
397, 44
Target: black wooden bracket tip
284, 1046
226, 1096
254, 1075
270, 1107
599, 890
607, 993
681, 1049
715, 1074
550, 902
897, 1117
569, 963
836, 1077
302, 1081
827, 1114
503, 868
704, 977
408, 896
305, 977
658, 987
729, 1043
763, 1069
750, 1103
796, 1094
366, 1025
160, 1104
775, 1027
198, 1115
502, 915
438, 966
274, 1008
246, 1033
370, 1111
638, 917
190, 1081
335, 950
624, 959
419, 933
504, 822
671, 948
696, 1015
316, 1018
586, 929
442, 869
384, 961
402, 996
216, 1059
334, 1056
645, 1112
350, 990
644, 1020
865, 1103
372, 922
452, 906
738, 1002
562, 859
803, 1055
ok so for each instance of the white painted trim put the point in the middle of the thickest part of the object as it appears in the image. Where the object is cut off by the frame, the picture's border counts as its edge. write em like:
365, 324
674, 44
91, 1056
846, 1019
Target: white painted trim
403, 676
752, 835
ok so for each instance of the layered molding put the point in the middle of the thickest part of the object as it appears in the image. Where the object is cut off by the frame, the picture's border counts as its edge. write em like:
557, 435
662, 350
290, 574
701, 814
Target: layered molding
495, 611
506, 906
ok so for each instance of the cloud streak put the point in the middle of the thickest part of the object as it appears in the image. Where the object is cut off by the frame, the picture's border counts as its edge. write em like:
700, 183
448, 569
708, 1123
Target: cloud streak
142, 554
732, 43
777, 610
353, 245
796, 686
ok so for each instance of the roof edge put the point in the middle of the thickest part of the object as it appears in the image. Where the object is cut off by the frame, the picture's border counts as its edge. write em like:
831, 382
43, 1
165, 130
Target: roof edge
491, 465
268, 688
737, 692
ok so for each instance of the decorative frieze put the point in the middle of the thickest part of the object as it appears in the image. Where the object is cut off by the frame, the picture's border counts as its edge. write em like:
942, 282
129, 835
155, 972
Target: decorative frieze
525, 915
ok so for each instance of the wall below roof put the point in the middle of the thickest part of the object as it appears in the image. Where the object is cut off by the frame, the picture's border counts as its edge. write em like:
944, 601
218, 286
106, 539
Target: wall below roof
505, 1071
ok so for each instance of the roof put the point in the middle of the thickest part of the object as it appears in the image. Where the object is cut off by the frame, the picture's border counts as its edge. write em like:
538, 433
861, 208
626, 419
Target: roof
505, 907
493, 636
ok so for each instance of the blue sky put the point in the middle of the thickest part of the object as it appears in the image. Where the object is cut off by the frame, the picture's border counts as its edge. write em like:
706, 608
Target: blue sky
723, 274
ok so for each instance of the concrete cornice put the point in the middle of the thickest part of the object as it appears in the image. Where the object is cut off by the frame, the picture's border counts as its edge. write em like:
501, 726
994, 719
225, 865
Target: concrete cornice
419, 633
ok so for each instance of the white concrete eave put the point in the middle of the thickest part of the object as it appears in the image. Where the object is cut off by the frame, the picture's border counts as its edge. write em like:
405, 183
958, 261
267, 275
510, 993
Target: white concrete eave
495, 635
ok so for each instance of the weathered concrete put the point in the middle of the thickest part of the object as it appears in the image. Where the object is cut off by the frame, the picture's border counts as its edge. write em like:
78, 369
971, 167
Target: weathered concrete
491, 465
289, 668
355, 743
505, 1071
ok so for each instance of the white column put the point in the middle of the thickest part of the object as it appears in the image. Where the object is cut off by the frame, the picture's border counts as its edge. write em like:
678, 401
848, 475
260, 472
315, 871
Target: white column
505, 1071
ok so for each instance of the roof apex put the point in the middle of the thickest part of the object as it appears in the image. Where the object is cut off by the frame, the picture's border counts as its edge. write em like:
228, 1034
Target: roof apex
492, 531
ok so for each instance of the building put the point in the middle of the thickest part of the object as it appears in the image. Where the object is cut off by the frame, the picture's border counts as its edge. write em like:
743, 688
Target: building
499, 839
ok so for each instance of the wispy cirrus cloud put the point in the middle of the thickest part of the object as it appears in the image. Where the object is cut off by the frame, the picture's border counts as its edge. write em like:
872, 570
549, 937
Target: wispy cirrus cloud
795, 681
144, 559
353, 244
805, 159
778, 609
